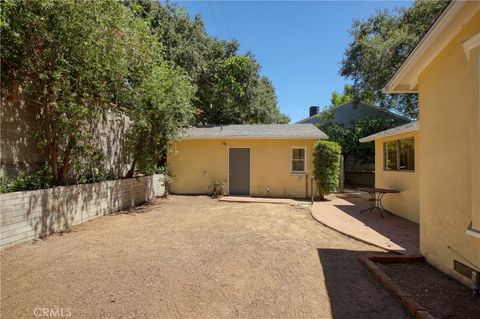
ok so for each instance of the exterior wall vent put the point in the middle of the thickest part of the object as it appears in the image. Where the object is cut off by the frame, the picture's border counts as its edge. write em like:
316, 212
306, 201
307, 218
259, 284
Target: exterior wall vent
468, 272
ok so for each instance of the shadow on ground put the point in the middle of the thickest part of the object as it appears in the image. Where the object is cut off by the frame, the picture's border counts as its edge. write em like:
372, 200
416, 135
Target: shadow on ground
347, 284
391, 232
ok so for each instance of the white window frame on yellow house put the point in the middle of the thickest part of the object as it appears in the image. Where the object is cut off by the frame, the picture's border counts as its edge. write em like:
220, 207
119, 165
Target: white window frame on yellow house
292, 171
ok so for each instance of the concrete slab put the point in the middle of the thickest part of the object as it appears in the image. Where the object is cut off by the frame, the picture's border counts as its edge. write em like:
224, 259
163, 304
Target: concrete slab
393, 233
267, 200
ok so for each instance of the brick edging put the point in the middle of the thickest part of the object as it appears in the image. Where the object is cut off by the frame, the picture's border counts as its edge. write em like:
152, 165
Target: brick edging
415, 308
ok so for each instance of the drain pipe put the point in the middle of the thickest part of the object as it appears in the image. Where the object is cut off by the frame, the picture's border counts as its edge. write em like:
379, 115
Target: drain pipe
311, 189
306, 186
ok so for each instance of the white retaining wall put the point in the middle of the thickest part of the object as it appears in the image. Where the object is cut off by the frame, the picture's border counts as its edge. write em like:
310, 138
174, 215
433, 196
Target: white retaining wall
32, 214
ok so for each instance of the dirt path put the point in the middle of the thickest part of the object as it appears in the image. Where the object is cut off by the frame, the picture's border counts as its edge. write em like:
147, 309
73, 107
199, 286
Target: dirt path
193, 257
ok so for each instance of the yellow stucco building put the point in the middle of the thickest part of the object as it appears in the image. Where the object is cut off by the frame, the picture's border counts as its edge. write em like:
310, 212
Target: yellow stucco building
443, 193
396, 167
258, 160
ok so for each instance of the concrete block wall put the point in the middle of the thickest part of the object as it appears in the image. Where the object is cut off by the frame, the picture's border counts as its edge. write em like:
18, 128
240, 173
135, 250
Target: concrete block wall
33, 214
20, 122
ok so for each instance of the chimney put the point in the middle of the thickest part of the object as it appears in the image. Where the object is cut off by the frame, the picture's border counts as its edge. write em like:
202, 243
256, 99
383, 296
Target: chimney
314, 110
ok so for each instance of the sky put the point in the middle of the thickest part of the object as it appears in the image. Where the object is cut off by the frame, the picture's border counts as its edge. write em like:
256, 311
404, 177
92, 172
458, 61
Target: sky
299, 45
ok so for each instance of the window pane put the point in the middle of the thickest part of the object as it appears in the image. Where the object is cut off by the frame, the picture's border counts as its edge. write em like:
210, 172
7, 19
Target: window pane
298, 165
407, 154
298, 153
390, 158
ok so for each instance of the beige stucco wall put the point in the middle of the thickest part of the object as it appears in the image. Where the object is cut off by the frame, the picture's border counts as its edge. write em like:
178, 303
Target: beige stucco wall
195, 164
449, 190
475, 142
20, 122
407, 203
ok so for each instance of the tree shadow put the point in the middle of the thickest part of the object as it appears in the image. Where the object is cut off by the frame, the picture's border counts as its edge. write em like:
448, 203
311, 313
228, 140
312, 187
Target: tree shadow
20, 120
60, 208
353, 292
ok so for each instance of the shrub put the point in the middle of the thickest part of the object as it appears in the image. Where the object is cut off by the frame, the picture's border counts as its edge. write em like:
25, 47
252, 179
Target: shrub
167, 178
327, 166
218, 188
24, 181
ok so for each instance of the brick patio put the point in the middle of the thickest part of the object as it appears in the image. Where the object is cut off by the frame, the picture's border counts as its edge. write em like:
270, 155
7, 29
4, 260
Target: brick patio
393, 233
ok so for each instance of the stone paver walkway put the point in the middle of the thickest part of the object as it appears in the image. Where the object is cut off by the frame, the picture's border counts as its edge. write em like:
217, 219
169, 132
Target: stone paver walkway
393, 233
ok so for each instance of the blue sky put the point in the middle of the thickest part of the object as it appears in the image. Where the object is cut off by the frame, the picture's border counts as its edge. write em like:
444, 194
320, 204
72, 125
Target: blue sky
298, 44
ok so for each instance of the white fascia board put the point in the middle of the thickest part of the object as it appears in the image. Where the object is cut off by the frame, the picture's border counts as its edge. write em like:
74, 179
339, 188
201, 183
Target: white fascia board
407, 75
390, 132
253, 137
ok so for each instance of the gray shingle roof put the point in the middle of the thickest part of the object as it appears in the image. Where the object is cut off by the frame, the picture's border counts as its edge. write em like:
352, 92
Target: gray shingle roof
256, 131
350, 111
409, 127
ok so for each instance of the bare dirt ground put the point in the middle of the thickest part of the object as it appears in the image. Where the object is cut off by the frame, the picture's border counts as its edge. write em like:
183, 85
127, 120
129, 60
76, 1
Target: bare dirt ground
444, 297
194, 257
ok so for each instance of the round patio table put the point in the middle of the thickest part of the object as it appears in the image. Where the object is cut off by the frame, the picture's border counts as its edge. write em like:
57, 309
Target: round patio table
376, 196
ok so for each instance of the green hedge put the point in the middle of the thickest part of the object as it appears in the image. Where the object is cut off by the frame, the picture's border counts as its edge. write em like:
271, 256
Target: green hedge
25, 181
327, 166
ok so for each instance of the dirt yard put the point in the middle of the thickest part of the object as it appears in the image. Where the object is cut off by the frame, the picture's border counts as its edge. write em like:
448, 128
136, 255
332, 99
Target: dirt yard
444, 297
193, 257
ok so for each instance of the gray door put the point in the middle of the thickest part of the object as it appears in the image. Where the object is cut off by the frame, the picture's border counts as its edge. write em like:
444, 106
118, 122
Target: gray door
239, 174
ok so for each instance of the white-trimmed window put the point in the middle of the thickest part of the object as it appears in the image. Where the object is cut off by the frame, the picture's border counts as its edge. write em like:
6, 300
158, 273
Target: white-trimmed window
299, 155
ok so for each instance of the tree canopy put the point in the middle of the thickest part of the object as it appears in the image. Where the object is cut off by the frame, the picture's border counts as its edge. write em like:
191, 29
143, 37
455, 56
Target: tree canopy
227, 82
73, 59
77, 60
342, 97
348, 137
379, 46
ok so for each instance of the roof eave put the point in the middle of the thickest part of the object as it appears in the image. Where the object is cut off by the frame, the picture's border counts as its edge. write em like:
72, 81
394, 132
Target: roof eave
390, 132
255, 137
405, 80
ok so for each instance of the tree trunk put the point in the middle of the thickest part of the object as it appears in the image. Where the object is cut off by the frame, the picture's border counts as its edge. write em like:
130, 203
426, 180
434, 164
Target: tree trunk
321, 195
132, 168
63, 171
51, 130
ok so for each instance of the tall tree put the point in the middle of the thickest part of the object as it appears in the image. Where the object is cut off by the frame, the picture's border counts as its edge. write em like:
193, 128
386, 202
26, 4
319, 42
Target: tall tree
380, 45
265, 104
348, 136
73, 58
161, 108
343, 97
226, 81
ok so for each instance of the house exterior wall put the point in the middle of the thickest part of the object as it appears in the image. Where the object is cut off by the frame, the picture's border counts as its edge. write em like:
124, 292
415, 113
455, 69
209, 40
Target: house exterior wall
449, 187
195, 164
407, 203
